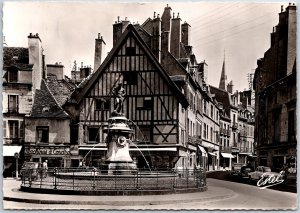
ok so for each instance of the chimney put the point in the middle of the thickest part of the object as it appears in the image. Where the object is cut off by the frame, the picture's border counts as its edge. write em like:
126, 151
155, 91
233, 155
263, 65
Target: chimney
35, 52
118, 29
85, 72
175, 36
56, 69
99, 49
185, 34
156, 37
166, 19
230, 87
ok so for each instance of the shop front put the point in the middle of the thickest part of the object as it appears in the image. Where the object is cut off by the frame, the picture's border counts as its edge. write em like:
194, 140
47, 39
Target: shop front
57, 156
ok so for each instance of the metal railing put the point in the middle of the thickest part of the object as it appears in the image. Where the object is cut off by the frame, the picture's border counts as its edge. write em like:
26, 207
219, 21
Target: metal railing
94, 179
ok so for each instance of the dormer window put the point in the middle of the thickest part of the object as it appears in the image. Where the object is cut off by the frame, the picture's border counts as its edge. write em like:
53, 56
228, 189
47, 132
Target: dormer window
13, 75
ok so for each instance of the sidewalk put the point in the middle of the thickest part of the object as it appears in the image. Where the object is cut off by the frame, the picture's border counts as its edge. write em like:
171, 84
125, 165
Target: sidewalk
11, 193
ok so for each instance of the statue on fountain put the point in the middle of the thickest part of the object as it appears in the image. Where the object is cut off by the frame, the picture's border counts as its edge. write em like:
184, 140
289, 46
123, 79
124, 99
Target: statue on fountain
119, 93
118, 137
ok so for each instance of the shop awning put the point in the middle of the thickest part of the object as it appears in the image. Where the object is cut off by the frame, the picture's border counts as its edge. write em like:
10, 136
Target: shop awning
204, 153
9, 151
211, 153
227, 155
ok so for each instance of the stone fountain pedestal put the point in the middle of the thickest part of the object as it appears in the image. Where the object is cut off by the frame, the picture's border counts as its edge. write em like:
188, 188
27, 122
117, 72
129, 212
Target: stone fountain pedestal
118, 132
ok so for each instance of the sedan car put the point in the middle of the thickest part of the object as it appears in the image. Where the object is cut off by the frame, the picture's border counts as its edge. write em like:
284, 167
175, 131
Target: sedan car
29, 170
262, 171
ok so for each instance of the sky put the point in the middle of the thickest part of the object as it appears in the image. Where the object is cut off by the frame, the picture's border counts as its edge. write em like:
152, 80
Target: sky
238, 31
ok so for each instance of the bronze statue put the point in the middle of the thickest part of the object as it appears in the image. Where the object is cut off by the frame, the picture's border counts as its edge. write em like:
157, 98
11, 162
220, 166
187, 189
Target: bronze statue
119, 92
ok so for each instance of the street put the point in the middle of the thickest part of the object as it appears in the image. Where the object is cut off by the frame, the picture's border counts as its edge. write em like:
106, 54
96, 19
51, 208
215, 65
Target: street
220, 195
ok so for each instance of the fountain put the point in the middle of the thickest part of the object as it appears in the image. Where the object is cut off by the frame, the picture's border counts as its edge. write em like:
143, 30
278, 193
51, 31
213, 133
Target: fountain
120, 175
119, 135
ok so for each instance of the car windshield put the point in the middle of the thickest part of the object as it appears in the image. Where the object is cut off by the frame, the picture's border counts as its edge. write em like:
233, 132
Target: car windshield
267, 169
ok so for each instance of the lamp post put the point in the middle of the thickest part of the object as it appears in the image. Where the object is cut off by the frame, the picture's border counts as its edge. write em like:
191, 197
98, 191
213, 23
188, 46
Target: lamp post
16, 155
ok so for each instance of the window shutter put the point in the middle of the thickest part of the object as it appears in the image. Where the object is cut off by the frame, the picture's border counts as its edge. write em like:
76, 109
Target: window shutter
21, 129
4, 129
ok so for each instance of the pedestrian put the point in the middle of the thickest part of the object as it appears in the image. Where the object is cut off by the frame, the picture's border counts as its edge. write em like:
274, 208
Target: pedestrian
45, 168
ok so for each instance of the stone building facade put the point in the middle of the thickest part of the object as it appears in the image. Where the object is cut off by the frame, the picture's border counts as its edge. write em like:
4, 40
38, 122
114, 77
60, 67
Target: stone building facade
275, 100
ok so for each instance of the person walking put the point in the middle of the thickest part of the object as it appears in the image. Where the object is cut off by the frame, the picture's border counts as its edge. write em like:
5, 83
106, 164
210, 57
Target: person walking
45, 168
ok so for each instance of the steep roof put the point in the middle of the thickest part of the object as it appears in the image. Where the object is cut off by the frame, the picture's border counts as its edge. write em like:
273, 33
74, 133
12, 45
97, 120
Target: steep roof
45, 105
221, 96
15, 55
60, 89
129, 31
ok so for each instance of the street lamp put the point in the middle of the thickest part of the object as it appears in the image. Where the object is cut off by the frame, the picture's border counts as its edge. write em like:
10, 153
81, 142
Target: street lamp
16, 155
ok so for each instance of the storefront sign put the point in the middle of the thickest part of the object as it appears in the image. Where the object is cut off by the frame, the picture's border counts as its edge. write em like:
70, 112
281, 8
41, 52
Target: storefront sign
47, 151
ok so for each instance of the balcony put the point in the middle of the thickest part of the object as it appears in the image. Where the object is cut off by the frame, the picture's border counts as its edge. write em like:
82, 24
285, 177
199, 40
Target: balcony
234, 126
225, 132
18, 141
245, 150
13, 111
243, 133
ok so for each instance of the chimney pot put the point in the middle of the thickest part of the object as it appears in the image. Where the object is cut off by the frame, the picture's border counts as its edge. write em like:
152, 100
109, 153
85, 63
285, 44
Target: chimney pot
37, 34
167, 5
157, 15
177, 15
290, 4
154, 15
173, 15
125, 18
118, 19
99, 35
30, 34
281, 8
81, 64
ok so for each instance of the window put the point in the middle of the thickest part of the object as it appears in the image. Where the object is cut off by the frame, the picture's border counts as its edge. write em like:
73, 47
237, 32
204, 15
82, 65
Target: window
204, 106
13, 75
130, 77
42, 134
144, 103
101, 104
93, 134
13, 129
12, 103
291, 126
148, 103
211, 133
130, 51
204, 131
212, 111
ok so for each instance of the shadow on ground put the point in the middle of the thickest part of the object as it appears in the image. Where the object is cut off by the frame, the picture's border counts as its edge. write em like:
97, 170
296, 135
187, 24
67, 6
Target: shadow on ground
291, 186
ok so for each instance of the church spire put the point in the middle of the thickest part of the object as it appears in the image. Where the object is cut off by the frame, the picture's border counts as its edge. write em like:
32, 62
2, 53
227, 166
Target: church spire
223, 79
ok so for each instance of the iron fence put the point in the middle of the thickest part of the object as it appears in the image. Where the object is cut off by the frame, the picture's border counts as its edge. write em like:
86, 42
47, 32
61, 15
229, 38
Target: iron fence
94, 179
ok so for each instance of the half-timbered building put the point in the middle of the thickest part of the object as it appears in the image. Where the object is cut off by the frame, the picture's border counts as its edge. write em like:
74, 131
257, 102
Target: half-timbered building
153, 103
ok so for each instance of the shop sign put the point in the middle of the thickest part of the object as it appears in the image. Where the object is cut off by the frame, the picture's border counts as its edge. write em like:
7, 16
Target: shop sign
47, 151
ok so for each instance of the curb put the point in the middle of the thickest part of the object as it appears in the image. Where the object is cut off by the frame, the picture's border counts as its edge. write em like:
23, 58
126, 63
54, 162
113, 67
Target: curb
117, 203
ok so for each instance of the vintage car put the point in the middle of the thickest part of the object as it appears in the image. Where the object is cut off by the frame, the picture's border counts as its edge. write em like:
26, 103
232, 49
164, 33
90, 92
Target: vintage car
30, 170
236, 168
260, 172
245, 170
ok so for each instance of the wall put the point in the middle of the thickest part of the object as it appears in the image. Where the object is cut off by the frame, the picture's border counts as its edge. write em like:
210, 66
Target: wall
56, 135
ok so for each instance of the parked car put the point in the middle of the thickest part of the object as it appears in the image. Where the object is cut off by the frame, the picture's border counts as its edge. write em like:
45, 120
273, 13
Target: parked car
30, 169
261, 171
245, 170
236, 168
